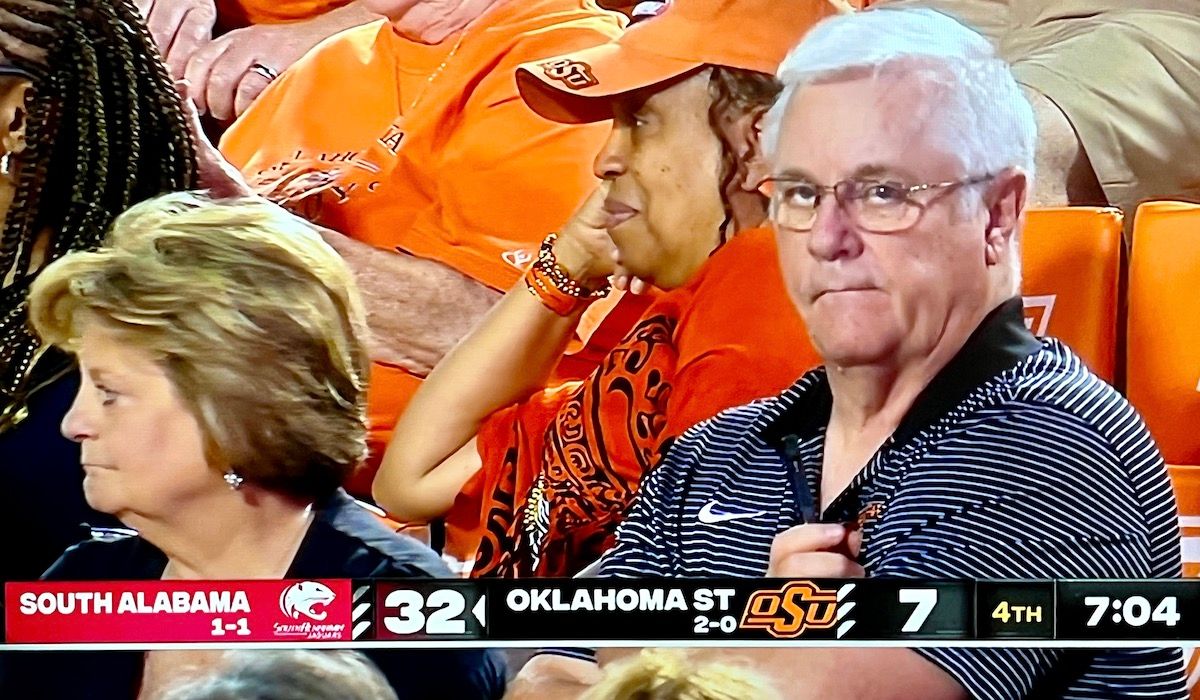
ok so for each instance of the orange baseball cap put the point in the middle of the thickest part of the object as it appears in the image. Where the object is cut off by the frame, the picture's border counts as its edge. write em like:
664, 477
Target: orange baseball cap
750, 34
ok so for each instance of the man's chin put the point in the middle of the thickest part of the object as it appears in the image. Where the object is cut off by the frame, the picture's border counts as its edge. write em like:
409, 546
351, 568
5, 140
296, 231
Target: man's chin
851, 352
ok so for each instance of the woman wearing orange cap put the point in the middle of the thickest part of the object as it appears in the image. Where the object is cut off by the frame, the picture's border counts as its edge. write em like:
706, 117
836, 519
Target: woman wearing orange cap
445, 180
550, 471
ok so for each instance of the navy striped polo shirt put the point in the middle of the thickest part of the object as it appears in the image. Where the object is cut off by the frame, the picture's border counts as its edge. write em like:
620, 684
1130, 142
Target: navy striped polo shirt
1016, 462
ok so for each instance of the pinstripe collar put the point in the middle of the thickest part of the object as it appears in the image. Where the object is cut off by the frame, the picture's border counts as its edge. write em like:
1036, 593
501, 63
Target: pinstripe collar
997, 344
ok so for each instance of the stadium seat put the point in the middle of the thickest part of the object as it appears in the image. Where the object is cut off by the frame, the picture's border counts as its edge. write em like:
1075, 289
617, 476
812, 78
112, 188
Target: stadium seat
1163, 364
1163, 341
1186, 482
1071, 258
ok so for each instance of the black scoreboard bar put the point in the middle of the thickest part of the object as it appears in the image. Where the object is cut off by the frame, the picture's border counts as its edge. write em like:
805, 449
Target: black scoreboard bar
776, 609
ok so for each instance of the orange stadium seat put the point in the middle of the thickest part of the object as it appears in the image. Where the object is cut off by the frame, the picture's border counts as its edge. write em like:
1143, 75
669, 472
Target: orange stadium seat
1163, 371
1186, 482
1071, 259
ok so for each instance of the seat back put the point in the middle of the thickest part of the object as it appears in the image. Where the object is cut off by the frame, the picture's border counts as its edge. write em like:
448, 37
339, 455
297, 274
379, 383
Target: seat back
1163, 339
1071, 263
1185, 480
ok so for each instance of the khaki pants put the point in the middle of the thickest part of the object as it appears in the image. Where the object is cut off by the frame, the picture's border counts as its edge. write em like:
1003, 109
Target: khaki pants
1125, 73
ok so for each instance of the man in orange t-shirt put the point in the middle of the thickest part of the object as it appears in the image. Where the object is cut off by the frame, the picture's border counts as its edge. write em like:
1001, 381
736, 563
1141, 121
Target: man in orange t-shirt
231, 50
446, 180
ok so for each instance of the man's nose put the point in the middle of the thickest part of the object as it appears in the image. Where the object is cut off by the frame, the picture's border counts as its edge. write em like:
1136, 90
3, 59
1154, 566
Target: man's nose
833, 233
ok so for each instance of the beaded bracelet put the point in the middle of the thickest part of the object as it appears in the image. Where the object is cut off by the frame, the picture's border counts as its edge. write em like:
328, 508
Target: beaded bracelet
547, 281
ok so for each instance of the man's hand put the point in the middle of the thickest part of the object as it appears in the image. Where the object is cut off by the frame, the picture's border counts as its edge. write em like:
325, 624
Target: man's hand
816, 550
179, 27
231, 71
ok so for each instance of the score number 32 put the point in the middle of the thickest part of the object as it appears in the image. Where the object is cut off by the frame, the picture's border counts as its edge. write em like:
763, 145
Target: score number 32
409, 618
1134, 610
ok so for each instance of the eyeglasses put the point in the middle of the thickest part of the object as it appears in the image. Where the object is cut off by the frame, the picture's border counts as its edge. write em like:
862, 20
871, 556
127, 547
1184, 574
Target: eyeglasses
878, 207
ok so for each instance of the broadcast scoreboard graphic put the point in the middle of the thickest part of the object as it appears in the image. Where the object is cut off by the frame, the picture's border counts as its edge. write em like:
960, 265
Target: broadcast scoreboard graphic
419, 613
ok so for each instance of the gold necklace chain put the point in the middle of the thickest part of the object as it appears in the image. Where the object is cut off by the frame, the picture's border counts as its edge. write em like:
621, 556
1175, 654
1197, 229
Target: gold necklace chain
438, 71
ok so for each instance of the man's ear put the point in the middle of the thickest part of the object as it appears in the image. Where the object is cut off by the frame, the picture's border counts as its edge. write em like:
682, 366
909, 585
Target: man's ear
1005, 201
14, 94
743, 133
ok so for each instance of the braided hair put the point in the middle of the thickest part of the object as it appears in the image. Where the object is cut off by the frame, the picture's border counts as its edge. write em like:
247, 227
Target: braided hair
105, 129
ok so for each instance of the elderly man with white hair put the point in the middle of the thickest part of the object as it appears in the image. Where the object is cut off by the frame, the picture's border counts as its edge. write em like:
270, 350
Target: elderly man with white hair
940, 439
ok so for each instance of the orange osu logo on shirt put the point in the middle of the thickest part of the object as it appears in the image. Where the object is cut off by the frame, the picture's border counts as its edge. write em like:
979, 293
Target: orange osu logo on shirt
789, 611
576, 75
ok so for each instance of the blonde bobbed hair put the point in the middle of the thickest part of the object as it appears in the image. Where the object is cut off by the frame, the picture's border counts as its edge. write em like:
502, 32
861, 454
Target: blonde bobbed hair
255, 319
667, 674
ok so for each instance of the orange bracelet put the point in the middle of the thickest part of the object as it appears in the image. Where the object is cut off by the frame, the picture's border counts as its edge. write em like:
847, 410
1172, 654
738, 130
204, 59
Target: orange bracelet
546, 280
553, 298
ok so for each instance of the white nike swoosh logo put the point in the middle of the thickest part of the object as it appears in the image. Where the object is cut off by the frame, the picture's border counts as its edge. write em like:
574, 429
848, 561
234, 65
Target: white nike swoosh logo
708, 517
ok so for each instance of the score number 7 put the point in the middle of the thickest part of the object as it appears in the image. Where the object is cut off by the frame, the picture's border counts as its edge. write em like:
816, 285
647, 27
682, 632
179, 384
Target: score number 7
925, 599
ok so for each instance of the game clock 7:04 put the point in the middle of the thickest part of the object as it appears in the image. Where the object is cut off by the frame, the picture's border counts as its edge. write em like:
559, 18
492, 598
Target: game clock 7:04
1135, 611
1118, 610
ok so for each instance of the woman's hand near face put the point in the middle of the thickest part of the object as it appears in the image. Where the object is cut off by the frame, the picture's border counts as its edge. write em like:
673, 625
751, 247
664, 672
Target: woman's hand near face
584, 249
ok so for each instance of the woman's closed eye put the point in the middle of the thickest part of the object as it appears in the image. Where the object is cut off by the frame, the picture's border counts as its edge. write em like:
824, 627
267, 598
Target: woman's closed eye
108, 395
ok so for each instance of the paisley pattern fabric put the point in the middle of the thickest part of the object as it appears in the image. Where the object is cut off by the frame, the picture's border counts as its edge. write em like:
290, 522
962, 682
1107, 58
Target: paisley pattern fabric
560, 469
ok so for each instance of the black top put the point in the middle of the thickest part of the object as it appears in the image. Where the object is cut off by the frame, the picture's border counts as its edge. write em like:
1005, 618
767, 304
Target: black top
41, 482
344, 541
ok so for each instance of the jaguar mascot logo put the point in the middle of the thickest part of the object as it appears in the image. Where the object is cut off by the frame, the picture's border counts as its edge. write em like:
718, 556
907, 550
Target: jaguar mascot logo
302, 599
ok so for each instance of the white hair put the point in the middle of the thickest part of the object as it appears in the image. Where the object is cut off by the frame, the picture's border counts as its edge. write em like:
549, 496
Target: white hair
984, 118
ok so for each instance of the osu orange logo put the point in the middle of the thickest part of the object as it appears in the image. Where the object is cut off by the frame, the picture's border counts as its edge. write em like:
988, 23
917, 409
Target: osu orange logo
870, 512
576, 75
788, 612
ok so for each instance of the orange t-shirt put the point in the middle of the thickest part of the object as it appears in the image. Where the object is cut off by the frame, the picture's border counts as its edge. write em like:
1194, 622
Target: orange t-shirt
560, 468
234, 14
469, 177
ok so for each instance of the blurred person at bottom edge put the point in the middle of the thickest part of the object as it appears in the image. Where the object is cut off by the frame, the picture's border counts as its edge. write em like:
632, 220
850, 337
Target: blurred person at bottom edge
549, 469
287, 675
667, 674
227, 466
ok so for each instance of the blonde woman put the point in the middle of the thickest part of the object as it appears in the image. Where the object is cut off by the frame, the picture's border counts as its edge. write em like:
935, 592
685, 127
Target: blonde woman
663, 674
222, 404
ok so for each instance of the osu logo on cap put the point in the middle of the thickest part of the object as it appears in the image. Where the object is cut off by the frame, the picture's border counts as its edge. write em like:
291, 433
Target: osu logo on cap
576, 75
789, 611
301, 599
